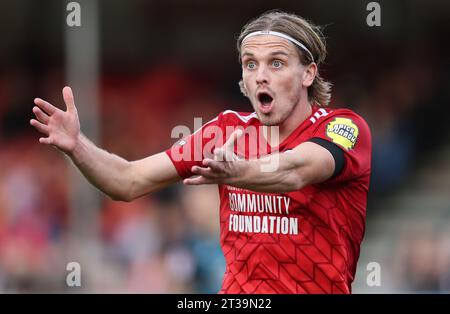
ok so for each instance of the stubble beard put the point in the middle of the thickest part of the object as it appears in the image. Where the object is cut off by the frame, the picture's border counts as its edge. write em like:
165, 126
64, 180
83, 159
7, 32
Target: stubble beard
272, 119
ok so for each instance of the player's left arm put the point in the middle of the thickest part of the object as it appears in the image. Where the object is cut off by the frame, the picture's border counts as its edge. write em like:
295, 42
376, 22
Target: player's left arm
308, 163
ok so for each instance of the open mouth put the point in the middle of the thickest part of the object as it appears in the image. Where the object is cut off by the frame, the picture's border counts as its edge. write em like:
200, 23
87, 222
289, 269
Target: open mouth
265, 98
265, 102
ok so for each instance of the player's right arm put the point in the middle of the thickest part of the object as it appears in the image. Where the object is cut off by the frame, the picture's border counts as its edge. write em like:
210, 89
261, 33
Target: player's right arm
115, 176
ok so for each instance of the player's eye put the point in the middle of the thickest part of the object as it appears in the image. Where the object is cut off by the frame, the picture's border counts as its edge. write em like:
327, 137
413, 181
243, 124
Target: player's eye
277, 64
251, 65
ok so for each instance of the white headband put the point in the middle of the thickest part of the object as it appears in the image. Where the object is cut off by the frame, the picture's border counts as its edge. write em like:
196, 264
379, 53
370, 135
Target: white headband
293, 40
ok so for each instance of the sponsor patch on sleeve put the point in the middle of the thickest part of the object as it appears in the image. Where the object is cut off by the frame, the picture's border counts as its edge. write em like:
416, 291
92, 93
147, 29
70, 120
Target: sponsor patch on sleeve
343, 132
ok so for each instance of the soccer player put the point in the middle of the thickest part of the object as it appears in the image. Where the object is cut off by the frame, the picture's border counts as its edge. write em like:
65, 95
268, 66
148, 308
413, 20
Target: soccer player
292, 202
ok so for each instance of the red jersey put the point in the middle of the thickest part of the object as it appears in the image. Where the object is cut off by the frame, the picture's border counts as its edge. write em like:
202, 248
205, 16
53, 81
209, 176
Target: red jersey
304, 241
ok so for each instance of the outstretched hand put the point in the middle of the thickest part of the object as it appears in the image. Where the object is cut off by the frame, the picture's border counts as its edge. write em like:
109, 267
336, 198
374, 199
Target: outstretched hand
225, 168
61, 128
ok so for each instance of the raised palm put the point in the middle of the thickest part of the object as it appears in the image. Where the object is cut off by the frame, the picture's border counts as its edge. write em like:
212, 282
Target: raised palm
61, 128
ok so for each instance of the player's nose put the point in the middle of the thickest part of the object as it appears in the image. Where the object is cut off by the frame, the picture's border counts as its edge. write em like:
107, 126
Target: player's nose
262, 76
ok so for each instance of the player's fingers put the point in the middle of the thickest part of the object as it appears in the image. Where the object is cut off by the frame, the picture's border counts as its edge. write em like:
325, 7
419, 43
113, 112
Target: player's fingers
219, 154
206, 172
226, 152
45, 140
68, 98
40, 126
216, 166
229, 144
40, 115
198, 181
47, 107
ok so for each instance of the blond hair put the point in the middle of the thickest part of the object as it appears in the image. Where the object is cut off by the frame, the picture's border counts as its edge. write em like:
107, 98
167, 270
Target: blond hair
305, 32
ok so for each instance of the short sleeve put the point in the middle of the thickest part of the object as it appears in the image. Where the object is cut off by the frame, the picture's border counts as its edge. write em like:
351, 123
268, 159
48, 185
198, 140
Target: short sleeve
351, 134
192, 149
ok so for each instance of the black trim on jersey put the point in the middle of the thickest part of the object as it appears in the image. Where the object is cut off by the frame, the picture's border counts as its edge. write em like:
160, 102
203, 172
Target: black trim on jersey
336, 151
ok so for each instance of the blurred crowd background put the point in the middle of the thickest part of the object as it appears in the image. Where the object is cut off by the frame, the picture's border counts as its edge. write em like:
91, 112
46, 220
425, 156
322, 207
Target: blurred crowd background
162, 63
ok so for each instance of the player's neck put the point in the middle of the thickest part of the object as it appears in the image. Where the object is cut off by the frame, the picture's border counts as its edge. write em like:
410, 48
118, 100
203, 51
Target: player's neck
302, 111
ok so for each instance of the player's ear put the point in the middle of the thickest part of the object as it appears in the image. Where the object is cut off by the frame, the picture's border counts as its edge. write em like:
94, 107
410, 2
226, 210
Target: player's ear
242, 87
309, 74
